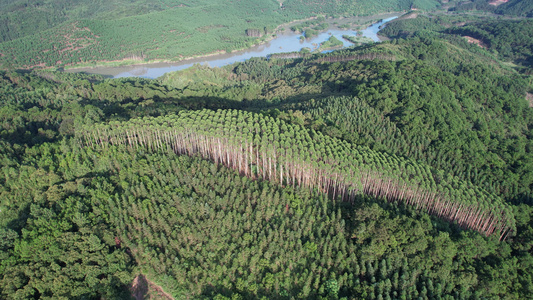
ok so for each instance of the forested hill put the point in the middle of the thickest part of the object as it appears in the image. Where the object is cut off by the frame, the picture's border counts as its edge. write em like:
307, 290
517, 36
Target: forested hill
523, 8
516, 7
259, 147
509, 40
63, 33
394, 170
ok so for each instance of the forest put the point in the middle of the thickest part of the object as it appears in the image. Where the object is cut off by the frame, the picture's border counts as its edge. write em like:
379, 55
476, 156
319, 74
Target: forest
393, 170
510, 7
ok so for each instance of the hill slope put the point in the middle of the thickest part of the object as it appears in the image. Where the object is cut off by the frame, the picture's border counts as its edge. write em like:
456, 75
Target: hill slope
430, 114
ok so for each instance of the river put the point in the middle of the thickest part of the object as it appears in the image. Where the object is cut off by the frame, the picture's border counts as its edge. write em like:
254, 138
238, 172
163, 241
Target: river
284, 42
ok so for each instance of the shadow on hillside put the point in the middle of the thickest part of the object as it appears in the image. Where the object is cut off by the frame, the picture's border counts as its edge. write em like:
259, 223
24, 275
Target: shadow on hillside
130, 108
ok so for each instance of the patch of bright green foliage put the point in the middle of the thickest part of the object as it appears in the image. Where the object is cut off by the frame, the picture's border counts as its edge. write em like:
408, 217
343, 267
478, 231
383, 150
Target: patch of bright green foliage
358, 40
331, 43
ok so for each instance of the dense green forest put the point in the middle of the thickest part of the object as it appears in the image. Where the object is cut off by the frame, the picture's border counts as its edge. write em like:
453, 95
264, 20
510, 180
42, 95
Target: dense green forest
393, 170
516, 7
509, 40
510, 7
292, 156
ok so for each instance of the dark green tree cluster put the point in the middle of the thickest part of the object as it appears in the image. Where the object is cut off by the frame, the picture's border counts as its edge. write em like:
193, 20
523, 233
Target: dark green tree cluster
316, 23
510, 40
55, 240
456, 109
517, 8
475, 5
92, 219
205, 231
512, 7
412, 24
424, 125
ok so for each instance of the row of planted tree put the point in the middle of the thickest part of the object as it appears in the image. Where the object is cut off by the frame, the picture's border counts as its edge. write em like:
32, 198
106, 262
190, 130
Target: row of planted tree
263, 147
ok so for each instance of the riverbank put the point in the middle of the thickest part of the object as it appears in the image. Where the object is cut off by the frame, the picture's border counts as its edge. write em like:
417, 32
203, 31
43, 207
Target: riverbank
285, 41
133, 62
279, 30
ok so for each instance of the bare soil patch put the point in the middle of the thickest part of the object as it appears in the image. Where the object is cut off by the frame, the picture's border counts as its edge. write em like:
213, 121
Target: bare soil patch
77, 38
529, 98
142, 288
497, 2
205, 29
472, 40
411, 15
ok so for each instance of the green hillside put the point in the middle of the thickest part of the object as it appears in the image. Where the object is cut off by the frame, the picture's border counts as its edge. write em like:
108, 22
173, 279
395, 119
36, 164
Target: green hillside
98, 218
516, 7
439, 109
522, 8
394, 170
260, 147
509, 40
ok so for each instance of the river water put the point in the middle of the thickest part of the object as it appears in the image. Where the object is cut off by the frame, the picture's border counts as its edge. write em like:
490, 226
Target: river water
285, 42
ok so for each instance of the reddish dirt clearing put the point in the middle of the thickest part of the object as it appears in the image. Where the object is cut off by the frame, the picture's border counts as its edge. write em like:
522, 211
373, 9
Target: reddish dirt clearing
498, 2
142, 288
472, 40
529, 98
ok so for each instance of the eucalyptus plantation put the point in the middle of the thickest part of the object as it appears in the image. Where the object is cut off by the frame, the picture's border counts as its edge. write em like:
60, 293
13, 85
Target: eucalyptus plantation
263, 147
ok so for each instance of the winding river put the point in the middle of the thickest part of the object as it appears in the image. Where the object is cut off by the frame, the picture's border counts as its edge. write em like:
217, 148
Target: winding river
285, 42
